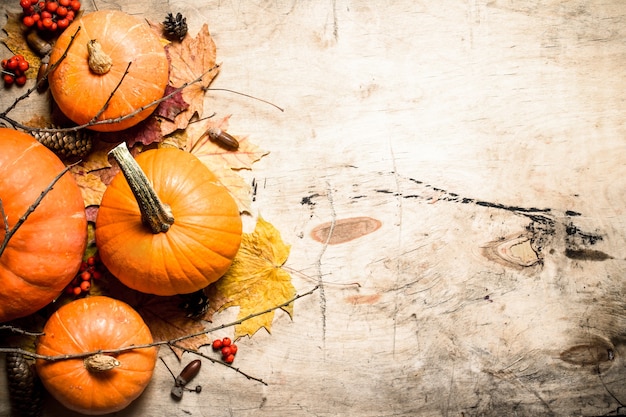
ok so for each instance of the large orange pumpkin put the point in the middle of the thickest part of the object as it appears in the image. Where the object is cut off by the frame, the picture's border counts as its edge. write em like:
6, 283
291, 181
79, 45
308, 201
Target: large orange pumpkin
108, 40
178, 258
98, 384
45, 253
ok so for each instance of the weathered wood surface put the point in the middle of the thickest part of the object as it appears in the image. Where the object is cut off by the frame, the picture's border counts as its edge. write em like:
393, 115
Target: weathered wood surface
488, 139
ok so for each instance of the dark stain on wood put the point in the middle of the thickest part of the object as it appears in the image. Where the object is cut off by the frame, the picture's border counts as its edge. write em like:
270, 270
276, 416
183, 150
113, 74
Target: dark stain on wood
587, 255
345, 230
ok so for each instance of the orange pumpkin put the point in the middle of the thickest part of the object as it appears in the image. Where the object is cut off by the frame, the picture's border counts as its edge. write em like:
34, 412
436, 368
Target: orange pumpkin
108, 40
180, 256
98, 384
45, 253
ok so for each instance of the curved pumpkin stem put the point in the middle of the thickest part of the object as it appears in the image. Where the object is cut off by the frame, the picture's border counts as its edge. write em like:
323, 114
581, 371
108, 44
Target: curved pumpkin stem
154, 213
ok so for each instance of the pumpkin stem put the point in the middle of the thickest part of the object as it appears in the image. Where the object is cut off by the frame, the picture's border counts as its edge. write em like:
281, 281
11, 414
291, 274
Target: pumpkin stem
100, 363
154, 213
99, 62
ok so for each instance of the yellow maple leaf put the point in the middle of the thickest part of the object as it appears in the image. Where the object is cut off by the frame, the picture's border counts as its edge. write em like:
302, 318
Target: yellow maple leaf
256, 280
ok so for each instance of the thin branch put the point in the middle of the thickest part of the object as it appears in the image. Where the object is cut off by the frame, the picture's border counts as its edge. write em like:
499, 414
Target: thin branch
30, 209
213, 360
172, 342
17, 330
121, 118
106, 103
248, 317
245, 95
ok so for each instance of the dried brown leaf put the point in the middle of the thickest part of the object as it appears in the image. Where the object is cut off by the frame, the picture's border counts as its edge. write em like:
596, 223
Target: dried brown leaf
190, 59
223, 162
170, 108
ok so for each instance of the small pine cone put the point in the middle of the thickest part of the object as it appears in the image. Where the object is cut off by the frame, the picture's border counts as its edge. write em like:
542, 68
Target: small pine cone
66, 145
175, 27
25, 390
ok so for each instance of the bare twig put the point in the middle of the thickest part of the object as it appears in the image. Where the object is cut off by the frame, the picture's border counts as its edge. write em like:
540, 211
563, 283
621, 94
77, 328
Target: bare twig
106, 103
29, 210
117, 119
17, 330
245, 95
172, 342
213, 360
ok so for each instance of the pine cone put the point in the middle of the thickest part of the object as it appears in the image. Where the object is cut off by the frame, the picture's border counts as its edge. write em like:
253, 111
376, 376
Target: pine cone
25, 390
65, 145
175, 27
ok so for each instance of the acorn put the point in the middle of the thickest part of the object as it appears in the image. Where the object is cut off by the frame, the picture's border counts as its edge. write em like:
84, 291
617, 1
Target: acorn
25, 389
175, 27
66, 145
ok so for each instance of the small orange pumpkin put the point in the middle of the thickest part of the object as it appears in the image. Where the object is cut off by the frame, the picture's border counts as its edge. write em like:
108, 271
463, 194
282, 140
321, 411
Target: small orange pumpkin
98, 384
108, 40
180, 256
45, 253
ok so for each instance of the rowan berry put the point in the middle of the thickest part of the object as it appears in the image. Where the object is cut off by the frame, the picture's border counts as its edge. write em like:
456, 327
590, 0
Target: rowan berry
75, 5
25, 4
12, 64
28, 21
96, 274
230, 358
226, 341
21, 80
85, 286
46, 22
65, 3
85, 275
23, 65
46, 14
51, 6
217, 344
226, 351
77, 290
233, 349
8, 79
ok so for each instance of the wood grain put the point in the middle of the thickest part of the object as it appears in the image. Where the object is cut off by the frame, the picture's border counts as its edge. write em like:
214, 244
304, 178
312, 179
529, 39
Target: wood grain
459, 126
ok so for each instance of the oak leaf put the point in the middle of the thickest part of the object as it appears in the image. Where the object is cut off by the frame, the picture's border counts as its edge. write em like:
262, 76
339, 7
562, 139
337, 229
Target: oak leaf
189, 60
256, 280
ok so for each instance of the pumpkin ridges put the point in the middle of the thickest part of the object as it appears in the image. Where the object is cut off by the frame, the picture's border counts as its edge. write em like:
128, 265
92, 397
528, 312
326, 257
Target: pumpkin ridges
118, 32
96, 323
45, 252
198, 247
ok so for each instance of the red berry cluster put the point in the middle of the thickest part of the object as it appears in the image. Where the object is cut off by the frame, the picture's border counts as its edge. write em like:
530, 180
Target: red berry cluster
81, 284
227, 348
13, 70
49, 15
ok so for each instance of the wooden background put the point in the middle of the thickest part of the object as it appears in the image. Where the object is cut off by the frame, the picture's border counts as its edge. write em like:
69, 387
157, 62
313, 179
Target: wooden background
487, 138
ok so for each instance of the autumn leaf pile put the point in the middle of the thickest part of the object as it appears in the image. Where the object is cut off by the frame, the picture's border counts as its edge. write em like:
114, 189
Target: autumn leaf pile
256, 280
